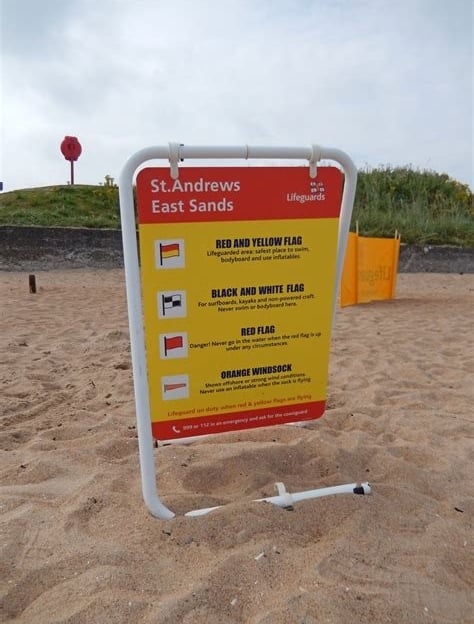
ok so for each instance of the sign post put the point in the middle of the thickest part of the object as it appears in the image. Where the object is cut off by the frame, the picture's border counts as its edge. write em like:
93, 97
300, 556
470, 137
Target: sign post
231, 312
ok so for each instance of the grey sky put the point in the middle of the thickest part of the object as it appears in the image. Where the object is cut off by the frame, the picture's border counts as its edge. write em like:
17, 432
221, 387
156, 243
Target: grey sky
389, 82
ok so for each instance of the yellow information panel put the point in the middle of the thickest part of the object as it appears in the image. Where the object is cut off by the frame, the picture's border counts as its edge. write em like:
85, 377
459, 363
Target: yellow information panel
238, 277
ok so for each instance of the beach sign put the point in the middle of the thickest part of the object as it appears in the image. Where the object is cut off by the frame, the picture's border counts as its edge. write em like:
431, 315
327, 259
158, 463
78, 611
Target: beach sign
237, 275
231, 292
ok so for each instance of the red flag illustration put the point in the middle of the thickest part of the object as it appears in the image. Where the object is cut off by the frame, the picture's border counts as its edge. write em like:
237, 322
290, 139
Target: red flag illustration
172, 342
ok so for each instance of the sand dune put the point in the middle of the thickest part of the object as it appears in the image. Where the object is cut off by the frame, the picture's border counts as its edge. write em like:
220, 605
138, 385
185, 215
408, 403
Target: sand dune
78, 545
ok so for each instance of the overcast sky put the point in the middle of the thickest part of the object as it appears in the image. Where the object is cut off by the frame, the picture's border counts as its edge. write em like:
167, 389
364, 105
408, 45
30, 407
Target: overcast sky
387, 81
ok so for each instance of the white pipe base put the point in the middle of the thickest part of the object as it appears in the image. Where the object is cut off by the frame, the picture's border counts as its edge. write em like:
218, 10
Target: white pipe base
286, 500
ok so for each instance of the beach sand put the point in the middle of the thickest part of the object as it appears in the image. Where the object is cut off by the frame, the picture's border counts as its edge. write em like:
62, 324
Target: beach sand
78, 545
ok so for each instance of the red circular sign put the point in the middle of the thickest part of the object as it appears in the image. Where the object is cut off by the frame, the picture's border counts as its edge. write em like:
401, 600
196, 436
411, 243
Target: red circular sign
71, 148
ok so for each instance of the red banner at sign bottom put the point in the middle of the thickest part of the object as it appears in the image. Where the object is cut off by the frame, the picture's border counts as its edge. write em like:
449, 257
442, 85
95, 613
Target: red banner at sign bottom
221, 423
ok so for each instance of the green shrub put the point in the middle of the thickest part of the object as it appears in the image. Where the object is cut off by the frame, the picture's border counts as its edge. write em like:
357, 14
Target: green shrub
424, 206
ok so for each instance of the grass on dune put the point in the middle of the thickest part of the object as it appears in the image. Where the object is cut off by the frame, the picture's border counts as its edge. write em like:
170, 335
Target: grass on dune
424, 206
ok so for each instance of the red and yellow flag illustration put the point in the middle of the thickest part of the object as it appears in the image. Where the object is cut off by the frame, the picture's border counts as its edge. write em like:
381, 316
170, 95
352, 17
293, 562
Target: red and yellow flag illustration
168, 251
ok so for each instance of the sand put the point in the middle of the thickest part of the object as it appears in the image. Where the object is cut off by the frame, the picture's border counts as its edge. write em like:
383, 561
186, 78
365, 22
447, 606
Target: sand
78, 545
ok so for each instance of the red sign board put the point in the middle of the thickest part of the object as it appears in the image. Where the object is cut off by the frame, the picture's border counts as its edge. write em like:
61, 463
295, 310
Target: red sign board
71, 148
237, 194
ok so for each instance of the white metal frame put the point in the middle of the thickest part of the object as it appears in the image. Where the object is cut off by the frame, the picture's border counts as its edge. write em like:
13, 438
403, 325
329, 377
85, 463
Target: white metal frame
174, 152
